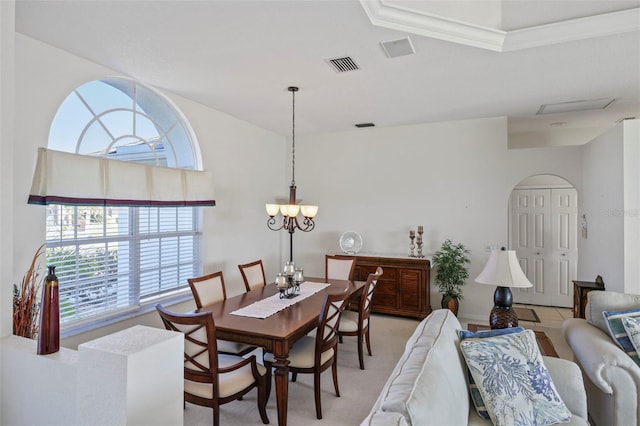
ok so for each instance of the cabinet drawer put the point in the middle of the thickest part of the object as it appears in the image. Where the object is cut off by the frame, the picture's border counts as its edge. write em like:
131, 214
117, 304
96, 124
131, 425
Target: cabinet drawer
382, 300
386, 287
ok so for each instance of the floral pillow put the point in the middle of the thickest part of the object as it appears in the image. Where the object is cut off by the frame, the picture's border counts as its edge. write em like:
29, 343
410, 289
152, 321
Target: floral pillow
632, 327
618, 332
514, 383
473, 388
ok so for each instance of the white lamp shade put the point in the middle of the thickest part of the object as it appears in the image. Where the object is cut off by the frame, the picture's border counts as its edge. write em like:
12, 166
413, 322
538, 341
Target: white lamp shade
272, 209
309, 211
503, 269
290, 210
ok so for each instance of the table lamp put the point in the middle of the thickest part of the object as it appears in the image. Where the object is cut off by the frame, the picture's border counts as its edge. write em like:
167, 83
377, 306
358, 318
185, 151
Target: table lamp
503, 270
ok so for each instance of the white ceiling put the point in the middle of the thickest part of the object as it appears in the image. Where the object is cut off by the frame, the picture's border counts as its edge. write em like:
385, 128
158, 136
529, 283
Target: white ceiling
239, 56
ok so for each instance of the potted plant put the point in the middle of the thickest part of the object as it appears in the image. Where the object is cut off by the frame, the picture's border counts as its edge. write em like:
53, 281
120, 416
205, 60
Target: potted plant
26, 306
451, 273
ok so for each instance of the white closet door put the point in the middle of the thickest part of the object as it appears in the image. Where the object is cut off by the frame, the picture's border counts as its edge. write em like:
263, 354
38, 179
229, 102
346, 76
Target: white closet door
543, 232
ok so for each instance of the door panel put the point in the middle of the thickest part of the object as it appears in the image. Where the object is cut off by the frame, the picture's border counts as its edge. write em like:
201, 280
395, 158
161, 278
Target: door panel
543, 231
530, 208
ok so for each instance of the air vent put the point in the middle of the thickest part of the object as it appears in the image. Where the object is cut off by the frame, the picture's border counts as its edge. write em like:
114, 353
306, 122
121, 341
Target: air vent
395, 48
343, 64
360, 125
586, 105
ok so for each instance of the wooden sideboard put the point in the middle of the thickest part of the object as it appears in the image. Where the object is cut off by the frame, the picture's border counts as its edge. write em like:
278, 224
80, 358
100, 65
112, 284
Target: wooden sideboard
403, 288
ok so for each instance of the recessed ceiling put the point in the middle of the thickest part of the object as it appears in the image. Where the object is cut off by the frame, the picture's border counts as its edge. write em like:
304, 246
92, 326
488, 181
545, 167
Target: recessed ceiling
239, 57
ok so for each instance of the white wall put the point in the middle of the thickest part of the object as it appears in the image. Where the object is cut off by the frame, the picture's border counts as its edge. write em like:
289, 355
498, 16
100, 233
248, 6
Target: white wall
7, 25
602, 201
631, 161
247, 164
453, 178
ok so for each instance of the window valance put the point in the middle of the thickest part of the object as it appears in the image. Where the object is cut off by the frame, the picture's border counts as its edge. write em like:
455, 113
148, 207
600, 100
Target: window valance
66, 178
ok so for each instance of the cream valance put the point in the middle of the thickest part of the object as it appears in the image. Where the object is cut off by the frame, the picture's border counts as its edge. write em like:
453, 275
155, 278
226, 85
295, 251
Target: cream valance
65, 178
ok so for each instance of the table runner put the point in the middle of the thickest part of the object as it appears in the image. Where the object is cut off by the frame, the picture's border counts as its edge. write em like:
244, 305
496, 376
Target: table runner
272, 304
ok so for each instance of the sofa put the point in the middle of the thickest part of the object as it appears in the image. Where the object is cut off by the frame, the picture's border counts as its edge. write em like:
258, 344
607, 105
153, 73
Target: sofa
612, 378
428, 386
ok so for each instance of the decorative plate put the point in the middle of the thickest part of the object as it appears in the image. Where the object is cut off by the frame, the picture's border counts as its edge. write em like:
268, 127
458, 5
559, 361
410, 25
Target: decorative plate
350, 242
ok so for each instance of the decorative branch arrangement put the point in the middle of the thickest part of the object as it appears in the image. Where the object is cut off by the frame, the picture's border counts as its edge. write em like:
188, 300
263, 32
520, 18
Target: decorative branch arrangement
26, 305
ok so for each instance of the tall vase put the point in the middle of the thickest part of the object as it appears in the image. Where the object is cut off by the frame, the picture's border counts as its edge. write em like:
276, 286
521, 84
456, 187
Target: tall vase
49, 333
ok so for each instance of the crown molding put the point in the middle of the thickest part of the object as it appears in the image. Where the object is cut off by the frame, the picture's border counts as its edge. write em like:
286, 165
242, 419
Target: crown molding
383, 14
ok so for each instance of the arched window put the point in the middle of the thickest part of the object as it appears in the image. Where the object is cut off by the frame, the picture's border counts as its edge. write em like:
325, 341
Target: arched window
114, 260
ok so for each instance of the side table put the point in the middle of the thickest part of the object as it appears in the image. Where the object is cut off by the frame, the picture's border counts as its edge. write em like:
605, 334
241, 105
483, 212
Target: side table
544, 343
580, 291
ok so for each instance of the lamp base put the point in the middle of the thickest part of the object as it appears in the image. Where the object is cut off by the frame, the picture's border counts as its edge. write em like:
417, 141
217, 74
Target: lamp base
502, 317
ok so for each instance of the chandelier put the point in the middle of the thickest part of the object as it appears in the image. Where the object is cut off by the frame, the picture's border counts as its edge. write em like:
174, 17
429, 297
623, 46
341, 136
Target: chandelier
290, 211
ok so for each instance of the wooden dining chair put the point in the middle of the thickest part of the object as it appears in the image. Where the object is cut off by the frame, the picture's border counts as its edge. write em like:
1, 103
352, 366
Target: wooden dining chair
210, 378
253, 275
209, 289
339, 267
356, 323
315, 354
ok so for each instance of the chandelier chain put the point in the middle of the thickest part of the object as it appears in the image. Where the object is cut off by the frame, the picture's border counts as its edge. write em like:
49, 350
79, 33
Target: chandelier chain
293, 138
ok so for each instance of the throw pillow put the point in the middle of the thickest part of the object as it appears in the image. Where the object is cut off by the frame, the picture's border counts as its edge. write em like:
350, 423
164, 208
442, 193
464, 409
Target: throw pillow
473, 388
513, 380
598, 301
632, 327
618, 332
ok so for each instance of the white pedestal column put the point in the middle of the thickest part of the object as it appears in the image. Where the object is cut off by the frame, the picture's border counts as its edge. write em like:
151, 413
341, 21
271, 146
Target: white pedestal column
133, 377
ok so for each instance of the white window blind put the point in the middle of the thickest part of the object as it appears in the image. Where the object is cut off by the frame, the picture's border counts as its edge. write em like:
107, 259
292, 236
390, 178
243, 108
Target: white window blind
113, 259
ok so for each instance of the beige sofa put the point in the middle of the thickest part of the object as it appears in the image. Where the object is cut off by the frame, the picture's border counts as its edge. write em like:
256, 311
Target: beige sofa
612, 378
428, 385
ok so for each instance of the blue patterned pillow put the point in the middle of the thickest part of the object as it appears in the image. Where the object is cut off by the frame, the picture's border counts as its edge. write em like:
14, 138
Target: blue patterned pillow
632, 327
618, 332
513, 381
473, 389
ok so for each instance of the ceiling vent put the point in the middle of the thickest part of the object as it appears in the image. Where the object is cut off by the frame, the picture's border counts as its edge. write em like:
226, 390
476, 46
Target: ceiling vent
400, 47
590, 104
343, 64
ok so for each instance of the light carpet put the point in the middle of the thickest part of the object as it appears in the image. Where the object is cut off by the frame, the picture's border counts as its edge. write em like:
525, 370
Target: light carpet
359, 389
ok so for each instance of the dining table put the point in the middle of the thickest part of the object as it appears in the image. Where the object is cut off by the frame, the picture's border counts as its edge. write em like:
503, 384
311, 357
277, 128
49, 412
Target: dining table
278, 332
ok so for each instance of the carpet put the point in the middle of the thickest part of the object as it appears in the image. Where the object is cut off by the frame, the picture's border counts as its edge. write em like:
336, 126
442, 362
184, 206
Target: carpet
526, 314
359, 389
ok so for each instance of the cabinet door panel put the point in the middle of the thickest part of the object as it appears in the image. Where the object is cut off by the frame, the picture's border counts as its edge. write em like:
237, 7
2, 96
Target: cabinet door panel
410, 289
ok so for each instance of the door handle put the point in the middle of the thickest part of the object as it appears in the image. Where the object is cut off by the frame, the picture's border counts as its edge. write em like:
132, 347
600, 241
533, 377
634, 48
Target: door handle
563, 254
537, 254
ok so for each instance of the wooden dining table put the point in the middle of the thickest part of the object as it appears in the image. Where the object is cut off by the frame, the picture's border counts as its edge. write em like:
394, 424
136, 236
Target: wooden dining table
278, 332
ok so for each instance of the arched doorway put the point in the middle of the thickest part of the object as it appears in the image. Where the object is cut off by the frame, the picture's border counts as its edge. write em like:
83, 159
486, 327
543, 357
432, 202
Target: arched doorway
543, 215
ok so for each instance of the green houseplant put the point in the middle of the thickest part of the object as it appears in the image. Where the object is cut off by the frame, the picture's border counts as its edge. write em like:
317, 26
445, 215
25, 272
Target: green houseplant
451, 273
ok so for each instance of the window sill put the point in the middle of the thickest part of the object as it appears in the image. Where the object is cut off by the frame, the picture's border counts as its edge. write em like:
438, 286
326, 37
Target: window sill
180, 297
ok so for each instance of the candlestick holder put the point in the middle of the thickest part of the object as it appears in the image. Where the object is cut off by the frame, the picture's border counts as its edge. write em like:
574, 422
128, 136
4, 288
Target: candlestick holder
419, 241
412, 246
290, 289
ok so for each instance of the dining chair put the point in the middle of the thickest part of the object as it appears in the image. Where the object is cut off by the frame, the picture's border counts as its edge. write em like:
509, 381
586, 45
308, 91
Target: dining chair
339, 267
209, 289
316, 354
253, 275
356, 323
210, 378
